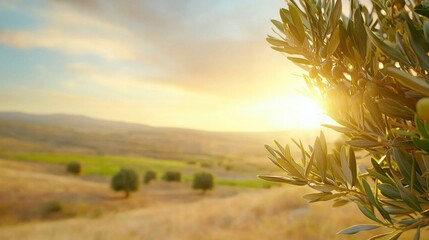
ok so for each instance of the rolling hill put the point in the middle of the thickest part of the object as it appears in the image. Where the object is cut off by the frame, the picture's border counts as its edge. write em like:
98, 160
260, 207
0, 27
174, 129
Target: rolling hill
72, 133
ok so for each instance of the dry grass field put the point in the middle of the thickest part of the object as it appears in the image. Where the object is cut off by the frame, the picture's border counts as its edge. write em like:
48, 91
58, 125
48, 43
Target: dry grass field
90, 210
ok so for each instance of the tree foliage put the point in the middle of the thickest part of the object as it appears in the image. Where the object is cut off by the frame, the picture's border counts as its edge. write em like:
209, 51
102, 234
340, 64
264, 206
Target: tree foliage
203, 181
149, 176
126, 180
74, 168
369, 67
172, 176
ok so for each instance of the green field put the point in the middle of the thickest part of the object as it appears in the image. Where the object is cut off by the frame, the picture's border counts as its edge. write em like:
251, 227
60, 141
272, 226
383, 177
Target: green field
107, 165
250, 183
104, 165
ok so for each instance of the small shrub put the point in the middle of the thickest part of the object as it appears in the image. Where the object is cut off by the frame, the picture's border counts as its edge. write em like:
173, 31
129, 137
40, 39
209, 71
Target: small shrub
228, 167
172, 176
149, 176
52, 207
206, 165
191, 162
74, 168
203, 181
126, 180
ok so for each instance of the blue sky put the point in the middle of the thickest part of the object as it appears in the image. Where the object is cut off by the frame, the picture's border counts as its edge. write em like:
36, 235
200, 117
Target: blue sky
192, 64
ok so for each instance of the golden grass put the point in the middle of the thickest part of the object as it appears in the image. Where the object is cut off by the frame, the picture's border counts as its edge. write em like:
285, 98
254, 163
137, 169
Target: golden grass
165, 211
261, 214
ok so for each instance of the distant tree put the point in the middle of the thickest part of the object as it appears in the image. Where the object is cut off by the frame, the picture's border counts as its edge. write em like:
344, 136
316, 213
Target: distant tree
172, 176
125, 180
228, 167
206, 165
74, 168
53, 206
149, 176
203, 181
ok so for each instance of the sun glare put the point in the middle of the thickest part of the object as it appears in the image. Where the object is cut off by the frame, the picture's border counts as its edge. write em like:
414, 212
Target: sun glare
295, 111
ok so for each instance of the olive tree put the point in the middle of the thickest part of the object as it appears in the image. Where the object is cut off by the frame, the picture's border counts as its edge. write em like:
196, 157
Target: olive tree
149, 176
172, 176
203, 181
369, 67
126, 180
74, 168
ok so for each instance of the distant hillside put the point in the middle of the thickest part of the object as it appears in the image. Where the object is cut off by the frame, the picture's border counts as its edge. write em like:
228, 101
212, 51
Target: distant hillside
76, 122
72, 133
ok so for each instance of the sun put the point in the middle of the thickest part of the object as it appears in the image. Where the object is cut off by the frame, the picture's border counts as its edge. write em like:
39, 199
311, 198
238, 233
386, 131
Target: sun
296, 111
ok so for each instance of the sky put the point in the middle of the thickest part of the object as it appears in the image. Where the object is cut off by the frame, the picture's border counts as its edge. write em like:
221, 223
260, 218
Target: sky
190, 63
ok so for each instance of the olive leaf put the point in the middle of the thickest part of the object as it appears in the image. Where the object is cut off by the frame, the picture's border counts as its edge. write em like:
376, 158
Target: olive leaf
372, 68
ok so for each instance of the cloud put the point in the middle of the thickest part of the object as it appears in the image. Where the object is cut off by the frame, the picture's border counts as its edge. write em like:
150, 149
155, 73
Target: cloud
76, 32
217, 48
69, 42
186, 63
119, 78
229, 67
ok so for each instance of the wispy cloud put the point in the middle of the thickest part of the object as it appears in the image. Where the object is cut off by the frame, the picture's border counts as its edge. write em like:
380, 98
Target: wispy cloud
198, 48
189, 62
66, 30
119, 78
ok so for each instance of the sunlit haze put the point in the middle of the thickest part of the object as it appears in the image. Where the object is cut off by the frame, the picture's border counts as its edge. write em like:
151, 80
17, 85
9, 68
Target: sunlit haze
192, 64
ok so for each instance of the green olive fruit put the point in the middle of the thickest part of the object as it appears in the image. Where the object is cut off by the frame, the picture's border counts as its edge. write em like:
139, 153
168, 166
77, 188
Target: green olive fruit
399, 4
362, 83
388, 4
337, 72
372, 89
313, 72
422, 108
